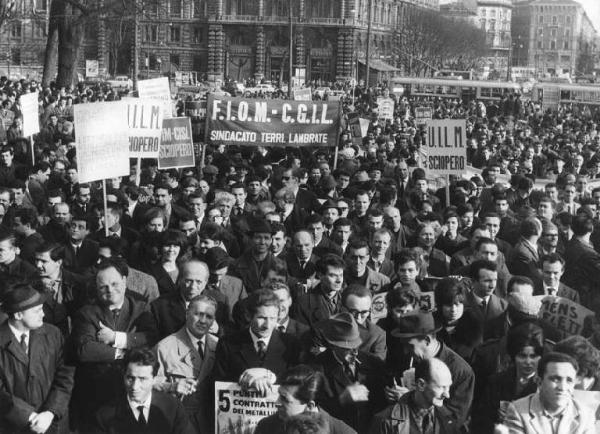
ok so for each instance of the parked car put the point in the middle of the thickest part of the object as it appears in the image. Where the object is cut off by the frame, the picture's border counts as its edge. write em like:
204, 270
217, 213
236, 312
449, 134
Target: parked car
260, 88
321, 92
120, 82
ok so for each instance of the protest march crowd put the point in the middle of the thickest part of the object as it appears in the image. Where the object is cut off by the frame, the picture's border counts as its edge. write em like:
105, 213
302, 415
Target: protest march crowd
362, 295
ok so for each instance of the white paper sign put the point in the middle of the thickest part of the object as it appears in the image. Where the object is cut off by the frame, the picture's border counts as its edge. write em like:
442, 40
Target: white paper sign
446, 147
102, 140
144, 119
30, 110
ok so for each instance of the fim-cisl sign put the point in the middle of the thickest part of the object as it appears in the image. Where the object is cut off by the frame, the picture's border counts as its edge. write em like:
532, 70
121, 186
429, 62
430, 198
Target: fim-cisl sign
446, 147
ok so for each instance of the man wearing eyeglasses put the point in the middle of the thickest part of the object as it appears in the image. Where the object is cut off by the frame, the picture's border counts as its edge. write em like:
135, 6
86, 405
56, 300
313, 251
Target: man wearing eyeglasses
357, 300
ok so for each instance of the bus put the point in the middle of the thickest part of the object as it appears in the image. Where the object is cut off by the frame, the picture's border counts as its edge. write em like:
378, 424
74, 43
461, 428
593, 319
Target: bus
566, 94
466, 90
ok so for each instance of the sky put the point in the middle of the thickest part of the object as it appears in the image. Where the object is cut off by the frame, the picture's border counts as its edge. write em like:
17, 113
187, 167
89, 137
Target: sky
592, 7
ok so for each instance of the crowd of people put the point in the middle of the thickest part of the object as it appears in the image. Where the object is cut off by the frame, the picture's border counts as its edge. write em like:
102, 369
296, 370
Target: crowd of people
261, 266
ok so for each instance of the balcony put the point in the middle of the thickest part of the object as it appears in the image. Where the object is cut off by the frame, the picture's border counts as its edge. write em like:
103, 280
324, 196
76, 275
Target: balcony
311, 21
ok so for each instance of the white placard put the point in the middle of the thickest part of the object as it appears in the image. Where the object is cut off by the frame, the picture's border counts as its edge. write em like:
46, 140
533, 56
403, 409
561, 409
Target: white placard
102, 140
157, 88
31, 117
91, 68
446, 147
144, 119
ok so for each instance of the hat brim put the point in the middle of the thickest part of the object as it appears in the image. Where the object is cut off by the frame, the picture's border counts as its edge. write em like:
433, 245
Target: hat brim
39, 298
349, 345
401, 335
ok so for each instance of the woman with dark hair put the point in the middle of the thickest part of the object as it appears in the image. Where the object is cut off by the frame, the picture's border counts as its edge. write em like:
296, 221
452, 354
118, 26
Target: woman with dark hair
166, 270
298, 391
520, 379
451, 241
461, 329
400, 302
588, 359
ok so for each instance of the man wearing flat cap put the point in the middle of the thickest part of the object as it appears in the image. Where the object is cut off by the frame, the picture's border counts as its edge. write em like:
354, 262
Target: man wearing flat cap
354, 380
35, 382
418, 333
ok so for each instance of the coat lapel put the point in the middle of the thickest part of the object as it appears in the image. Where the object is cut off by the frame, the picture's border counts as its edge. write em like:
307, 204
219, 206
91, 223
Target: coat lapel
536, 420
9, 341
248, 352
209, 357
569, 423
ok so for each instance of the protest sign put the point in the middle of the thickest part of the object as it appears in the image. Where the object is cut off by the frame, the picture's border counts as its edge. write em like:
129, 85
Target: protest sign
157, 88
144, 119
196, 111
272, 122
446, 147
566, 315
591, 400
379, 309
423, 115
102, 140
237, 411
30, 110
385, 108
303, 94
91, 68
176, 146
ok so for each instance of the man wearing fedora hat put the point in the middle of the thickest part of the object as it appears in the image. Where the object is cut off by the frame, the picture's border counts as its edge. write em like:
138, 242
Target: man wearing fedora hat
354, 379
418, 331
36, 384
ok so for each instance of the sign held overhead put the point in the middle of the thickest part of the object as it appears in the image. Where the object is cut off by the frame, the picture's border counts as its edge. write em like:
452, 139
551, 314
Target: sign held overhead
446, 147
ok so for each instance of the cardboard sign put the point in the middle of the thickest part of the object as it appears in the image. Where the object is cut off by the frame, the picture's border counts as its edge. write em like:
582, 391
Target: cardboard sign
272, 122
91, 68
385, 108
239, 412
379, 305
102, 140
303, 94
157, 88
196, 111
31, 117
567, 316
446, 147
591, 400
423, 115
144, 119
176, 146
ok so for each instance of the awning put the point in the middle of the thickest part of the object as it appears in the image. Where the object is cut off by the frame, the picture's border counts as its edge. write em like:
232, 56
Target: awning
379, 65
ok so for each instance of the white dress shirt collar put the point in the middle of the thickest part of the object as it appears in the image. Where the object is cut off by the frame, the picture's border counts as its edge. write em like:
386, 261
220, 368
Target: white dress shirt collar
255, 340
134, 407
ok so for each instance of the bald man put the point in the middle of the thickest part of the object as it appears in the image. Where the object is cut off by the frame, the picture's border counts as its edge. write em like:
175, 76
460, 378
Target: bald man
421, 409
301, 260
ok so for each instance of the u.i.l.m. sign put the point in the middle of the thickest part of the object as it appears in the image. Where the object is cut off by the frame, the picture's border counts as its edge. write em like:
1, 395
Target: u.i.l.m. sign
446, 147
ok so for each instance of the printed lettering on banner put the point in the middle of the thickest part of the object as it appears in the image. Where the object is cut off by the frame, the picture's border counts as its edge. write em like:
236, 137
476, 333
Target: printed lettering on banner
303, 94
157, 88
176, 145
446, 147
566, 315
259, 122
91, 68
238, 411
31, 116
385, 108
144, 119
102, 140
379, 305
423, 115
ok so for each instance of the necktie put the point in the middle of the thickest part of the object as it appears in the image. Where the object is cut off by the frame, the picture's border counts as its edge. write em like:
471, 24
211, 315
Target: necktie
281, 329
262, 349
552, 291
201, 349
141, 418
115, 314
302, 264
484, 306
349, 370
426, 422
23, 342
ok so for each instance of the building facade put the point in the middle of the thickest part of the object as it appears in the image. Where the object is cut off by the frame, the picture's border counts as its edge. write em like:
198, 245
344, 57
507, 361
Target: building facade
553, 36
243, 39
494, 18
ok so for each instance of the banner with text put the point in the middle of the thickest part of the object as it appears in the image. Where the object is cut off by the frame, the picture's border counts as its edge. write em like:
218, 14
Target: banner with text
379, 304
423, 115
243, 121
102, 140
446, 147
237, 411
157, 88
144, 119
385, 108
176, 146
566, 315
31, 116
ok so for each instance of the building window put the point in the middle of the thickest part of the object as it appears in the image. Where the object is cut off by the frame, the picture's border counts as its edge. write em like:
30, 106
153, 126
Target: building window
39, 30
150, 33
175, 9
540, 45
540, 32
553, 45
541, 19
151, 6
15, 55
15, 30
175, 34
554, 20
199, 8
174, 60
553, 33
197, 63
198, 35
568, 18
41, 5
566, 45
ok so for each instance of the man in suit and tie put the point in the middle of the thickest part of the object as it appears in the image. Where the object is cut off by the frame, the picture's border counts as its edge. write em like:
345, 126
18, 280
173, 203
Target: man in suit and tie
168, 311
285, 323
35, 382
186, 362
115, 228
81, 253
102, 333
323, 245
83, 198
231, 287
139, 409
553, 267
300, 261
552, 409
259, 354
482, 299
525, 260
196, 203
379, 259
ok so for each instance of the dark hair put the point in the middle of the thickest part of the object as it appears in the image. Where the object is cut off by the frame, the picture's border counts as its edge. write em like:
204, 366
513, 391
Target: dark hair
163, 187
342, 222
28, 216
483, 241
57, 251
116, 245
530, 227
308, 382
586, 355
259, 298
330, 260
399, 297
555, 357
313, 219
564, 218
153, 213
449, 291
582, 224
521, 337
78, 187
481, 264
307, 423
90, 223
143, 357
118, 264
518, 280
172, 237
358, 243
552, 258
211, 231
115, 208
357, 290
407, 255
